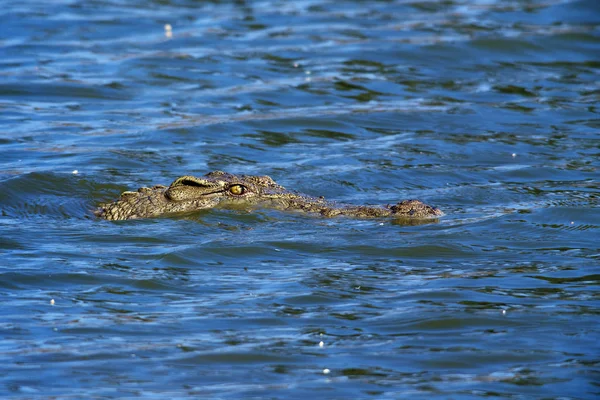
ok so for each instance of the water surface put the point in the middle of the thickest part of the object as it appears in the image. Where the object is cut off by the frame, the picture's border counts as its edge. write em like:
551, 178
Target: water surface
486, 109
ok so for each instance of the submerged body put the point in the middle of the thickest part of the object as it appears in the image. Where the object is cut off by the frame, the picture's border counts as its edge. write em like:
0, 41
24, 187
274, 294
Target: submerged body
189, 193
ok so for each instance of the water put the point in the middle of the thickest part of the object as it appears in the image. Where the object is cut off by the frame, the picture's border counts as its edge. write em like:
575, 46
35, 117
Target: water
486, 109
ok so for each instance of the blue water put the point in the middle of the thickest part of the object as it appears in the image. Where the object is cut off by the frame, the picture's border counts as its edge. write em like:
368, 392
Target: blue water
487, 109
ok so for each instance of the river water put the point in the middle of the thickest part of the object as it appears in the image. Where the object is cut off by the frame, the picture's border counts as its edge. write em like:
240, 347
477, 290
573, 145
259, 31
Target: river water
487, 109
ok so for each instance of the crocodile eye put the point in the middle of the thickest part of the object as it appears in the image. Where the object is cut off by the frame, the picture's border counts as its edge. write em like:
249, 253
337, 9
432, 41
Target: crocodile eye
237, 190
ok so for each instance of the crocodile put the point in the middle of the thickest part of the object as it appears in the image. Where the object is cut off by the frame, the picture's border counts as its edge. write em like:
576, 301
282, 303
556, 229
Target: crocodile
218, 188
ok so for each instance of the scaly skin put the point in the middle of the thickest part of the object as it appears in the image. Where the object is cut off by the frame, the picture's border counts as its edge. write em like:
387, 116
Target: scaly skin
218, 188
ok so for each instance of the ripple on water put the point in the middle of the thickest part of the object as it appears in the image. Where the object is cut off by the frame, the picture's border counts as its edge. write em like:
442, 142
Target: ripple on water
485, 109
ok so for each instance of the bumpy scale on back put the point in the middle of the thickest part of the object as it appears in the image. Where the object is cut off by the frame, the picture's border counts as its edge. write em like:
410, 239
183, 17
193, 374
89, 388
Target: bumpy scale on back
218, 188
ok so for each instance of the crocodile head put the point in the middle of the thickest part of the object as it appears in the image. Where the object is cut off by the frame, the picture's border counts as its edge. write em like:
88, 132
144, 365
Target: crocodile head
190, 193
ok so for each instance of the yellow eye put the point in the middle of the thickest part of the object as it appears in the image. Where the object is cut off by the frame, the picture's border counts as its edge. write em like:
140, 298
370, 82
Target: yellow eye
237, 190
